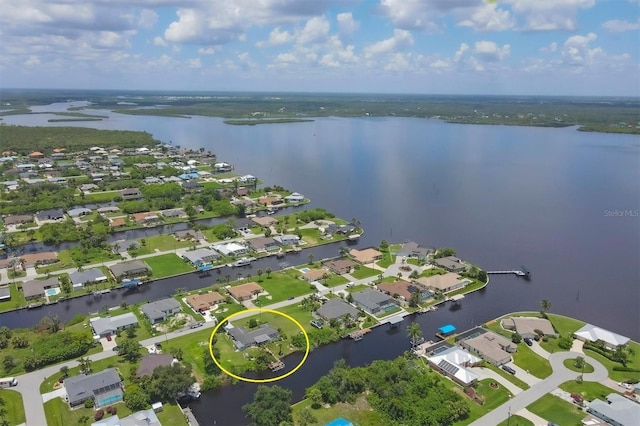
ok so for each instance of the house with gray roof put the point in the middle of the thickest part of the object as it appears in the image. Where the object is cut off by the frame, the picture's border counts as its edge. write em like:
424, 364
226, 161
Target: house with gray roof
80, 211
88, 276
244, 339
616, 410
36, 288
5, 293
139, 418
150, 362
592, 333
451, 264
199, 256
287, 240
262, 244
161, 309
415, 250
104, 388
372, 301
137, 268
51, 214
111, 325
336, 309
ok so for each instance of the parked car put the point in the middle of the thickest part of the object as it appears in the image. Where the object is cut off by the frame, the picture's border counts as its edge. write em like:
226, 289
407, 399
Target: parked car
115, 348
528, 341
196, 325
508, 369
316, 323
625, 385
108, 337
290, 298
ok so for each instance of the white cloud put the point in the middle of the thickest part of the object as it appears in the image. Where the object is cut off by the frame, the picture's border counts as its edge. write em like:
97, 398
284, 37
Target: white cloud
550, 49
398, 62
618, 26
490, 52
276, 37
159, 41
577, 52
547, 15
286, 58
147, 19
194, 63
400, 40
207, 50
346, 24
315, 30
32, 61
464, 48
487, 17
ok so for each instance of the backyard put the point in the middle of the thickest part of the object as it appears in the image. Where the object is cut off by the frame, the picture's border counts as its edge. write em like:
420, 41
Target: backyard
166, 265
281, 286
556, 410
361, 272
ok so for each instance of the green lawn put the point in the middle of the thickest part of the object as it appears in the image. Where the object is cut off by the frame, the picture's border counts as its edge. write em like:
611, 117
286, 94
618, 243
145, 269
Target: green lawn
565, 326
171, 415
556, 410
492, 398
510, 377
388, 260
193, 346
516, 420
334, 280
475, 285
14, 406
17, 299
620, 376
530, 361
571, 365
227, 309
166, 265
357, 288
362, 272
588, 390
432, 271
359, 413
162, 243
300, 315
281, 286
58, 413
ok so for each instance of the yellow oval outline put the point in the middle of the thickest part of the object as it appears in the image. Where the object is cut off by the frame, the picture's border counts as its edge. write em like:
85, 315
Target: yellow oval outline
273, 379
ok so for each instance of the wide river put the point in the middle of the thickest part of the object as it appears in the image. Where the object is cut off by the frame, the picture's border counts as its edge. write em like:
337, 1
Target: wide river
561, 202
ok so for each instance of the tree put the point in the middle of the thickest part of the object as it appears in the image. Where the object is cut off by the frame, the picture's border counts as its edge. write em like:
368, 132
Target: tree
168, 382
64, 370
85, 365
259, 274
8, 362
130, 350
444, 252
350, 297
414, 300
136, 399
545, 306
314, 395
268, 272
310, 258
414, 332
270, 407
620, 355
65, 285
579, 362
306, 417
384, 245
267, 232
516, 337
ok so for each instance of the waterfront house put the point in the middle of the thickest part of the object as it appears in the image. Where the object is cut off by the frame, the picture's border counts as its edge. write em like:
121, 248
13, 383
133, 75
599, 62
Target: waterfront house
294, 198
109, 326
30, 260
51, 214
414, 250
189, 235
161, 309
455, 363
108, 209
445, 283
269, 200
192, 186
373, 301
264, 221
333, 229
263, 244
5, 293
36, 288
88, 276
336, 309
150, 362
139, 418
118, 222
199, 256
287, 240
404, 290
77, 212
527, 326
131, 194
489, 346
451, 264
104, 388
88, 187
146, 218
314, 275
243, 338
245, 291
204, 302
136, 268
592, 333
230, 249
616, 410
368, 255
173, 213
340, 266
222, 167
17, 219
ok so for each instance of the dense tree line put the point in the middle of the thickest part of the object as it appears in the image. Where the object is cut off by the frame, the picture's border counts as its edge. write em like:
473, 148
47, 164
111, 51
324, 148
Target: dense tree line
398, 389
57, 347
36, 197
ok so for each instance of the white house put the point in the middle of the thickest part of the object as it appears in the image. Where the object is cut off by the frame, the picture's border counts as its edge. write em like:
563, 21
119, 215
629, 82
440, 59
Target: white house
294, 198
591, 333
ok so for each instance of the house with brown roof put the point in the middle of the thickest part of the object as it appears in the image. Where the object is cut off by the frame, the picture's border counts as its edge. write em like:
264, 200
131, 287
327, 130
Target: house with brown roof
445, 283
38, 259
245, 291
146, 218
527, 326
36, 154
17, 219
340, 266
490, 346
263, 244
265, 221
204, 302
267, 200
35, 288
118, 222
404, 290
314, 274
368, 255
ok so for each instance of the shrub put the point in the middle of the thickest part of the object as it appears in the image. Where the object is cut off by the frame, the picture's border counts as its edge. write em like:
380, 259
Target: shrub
99, 415
88, 403
565, 343
109, 410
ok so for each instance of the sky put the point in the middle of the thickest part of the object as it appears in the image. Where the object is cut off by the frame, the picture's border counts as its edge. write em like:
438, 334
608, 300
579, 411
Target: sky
502, 47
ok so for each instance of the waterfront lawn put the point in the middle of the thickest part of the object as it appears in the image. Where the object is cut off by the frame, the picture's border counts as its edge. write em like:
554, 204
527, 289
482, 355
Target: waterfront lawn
530, 361
359, 413
516, 420
170, 415
194, 346
432, 271
588, 390
282, 285
620, 376
361, 272
284, 325
300, 315
387, 260
334, 280
556, 410
564, 326
166, 265
311, 235
14, 406
162, 243
17, 299
475, 285
571, 365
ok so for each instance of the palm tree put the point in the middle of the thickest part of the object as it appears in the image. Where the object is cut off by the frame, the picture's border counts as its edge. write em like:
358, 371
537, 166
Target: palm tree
268, 272
85, 365
310, 258
414, 332
545, 306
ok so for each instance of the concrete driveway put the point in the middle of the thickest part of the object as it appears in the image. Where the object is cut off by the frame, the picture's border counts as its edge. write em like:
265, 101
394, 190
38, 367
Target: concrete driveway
560, 375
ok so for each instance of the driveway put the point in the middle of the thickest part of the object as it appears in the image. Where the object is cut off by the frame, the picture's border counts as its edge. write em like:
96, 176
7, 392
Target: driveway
487, 373
560, 375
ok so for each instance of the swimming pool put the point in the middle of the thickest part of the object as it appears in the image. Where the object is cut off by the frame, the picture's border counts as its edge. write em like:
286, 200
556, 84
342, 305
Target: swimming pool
52, 291
304, 270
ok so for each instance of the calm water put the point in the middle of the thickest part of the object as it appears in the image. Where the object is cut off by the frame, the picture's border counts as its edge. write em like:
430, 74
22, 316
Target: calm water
502, 196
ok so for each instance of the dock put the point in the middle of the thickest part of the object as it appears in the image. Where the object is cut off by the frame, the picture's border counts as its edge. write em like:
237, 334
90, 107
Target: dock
522, 272
277, 365
359, 334
456, 298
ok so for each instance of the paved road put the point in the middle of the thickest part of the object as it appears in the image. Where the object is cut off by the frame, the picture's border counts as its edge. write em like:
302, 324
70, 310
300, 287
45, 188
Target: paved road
560, 375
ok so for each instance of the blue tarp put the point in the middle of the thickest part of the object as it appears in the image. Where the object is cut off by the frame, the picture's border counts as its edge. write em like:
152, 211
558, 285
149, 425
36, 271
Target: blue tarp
340, 422
446, 329
205, 268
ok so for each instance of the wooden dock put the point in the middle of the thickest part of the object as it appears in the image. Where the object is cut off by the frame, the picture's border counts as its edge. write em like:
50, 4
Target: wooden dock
359, 334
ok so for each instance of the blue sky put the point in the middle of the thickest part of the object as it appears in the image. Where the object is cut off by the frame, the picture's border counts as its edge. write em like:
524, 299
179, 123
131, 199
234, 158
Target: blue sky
536, 47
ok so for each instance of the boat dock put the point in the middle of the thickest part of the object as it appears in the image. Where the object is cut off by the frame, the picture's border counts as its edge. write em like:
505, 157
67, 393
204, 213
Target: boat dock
522, 272
359, 334
277, 365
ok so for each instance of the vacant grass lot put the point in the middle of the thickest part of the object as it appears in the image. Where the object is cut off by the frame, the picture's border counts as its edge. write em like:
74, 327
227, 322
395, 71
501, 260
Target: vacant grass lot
14, 406
528, 360
282, 285
492, 399
363, 272
334, 280
166, 265
556, 410
588, 390
359, 413
17, 298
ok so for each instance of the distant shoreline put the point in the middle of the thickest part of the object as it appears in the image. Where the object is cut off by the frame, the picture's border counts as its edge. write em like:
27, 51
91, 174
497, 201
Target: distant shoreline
253, 122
